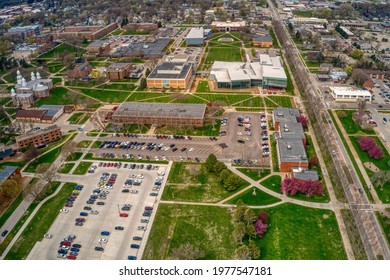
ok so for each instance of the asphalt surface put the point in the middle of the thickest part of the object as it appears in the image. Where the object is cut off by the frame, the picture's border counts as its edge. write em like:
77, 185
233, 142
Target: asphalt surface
88, 235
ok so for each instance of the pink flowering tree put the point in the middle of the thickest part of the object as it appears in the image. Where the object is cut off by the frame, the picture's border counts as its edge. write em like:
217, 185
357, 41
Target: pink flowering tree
375, 152
260, 228
366, 143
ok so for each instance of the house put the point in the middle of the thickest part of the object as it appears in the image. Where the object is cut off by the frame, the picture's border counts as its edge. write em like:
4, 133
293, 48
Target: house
81, 70
6, 153
9, 172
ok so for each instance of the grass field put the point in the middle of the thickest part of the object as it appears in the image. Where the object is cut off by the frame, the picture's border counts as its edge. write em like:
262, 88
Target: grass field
254, 173
224, 98
96, 144
40, 224
82, 168
253, 102
105, 95
84, 144
73, 118
223, 54
278, 101
190, 182
10, 210
46, 158
136, 128
119, 86
384, 193
272, 183
349, 125
138, 96
74, 156
206, 130
189, 98
203, 86
285, 239
65, 168
205, 227
274, 154
55, 52
254, 197
62, 96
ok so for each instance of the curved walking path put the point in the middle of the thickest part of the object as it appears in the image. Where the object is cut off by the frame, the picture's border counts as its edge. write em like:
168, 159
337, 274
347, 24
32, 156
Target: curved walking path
26, 223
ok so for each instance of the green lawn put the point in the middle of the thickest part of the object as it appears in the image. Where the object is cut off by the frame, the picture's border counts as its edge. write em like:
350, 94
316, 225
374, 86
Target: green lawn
350, 126
82, 168
10, 210
105, 95
73, 118
253, 102
274, 40
274, 154
206, 130
74, 156
55, 52
119, 86
205, 227
223, 54
55, 68
278, 101
62, 96
303, 13
203, 86
84, 144
40, 224
65, 168
254, 197
300, 233
57, 80
272, 183
384, 193
50, 157
189, 99
96, 144
254, 173
140, 96
225, 99
190, 182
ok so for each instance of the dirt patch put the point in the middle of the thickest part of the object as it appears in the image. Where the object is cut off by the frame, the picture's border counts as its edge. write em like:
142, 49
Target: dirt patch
325, 216
371, 166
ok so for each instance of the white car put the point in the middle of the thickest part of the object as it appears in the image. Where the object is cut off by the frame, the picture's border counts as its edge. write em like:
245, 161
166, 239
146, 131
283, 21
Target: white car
156, 157
102, 240
161, 173
180, 157
64, 210
94, 212
190, 149
141, 228
141, 176
48, 235
134, 191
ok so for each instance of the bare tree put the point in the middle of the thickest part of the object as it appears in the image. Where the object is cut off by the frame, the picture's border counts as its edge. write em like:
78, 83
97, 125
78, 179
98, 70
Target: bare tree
151, 63
68, 148
381, 178
47, 172
31, 153
98, 119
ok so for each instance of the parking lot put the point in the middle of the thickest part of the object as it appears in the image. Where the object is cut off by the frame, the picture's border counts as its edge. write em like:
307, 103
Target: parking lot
108, 230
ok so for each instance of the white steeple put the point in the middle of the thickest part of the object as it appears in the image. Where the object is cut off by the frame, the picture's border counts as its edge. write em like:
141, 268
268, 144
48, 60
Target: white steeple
38, 76
24, 84
32, 76
13, 92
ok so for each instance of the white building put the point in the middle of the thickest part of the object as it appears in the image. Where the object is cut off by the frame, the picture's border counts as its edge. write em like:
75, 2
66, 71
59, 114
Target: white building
349, 94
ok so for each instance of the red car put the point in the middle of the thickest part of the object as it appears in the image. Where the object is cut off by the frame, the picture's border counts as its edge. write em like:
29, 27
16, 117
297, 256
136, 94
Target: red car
123, 215
80, 220
68, 205
70, 257
66, 243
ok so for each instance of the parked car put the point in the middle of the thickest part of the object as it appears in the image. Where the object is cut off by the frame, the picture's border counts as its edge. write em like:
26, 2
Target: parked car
119, 228
134, 246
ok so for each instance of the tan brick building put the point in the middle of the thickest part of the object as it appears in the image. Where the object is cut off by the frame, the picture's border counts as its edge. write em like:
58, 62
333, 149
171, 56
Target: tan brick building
159, 114
169, 74
118, 71
40, 137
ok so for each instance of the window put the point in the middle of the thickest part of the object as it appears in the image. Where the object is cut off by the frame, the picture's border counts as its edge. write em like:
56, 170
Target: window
166, 83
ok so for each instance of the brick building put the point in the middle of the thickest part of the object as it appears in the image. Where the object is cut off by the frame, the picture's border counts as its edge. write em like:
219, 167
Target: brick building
262, 41
98, 47
284, 115
291, 153
159, 114
169, 74
40, 137
92, 32
118, 71
9, 172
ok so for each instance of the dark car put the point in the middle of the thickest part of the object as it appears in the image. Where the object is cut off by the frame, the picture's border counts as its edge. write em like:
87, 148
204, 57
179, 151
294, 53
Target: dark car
119, 228
4, 233
76, 245
83, 214
131, 257
100, 203
137, 238
74, 249
87, 208
184, 149
62, 251
135, 246
105, 233
241, 141
97, 248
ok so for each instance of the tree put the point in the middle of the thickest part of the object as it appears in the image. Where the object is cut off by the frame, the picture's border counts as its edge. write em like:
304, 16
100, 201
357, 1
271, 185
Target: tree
380, 178
348, 69
313, 161
232, 182
98, 118
366, 143
239, 232
219, 167
359, 76
210, 163
249, 216
260, 228
303, 121
242, 253
254, 250
292, 186
251, 231
143, 83
223, 175
47, 172
376, 152
31, 153
9, 189
357, 54
187, 251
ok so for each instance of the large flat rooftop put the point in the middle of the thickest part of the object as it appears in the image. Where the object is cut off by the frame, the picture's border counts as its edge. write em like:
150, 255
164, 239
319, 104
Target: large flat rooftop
160, 110
170, 70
